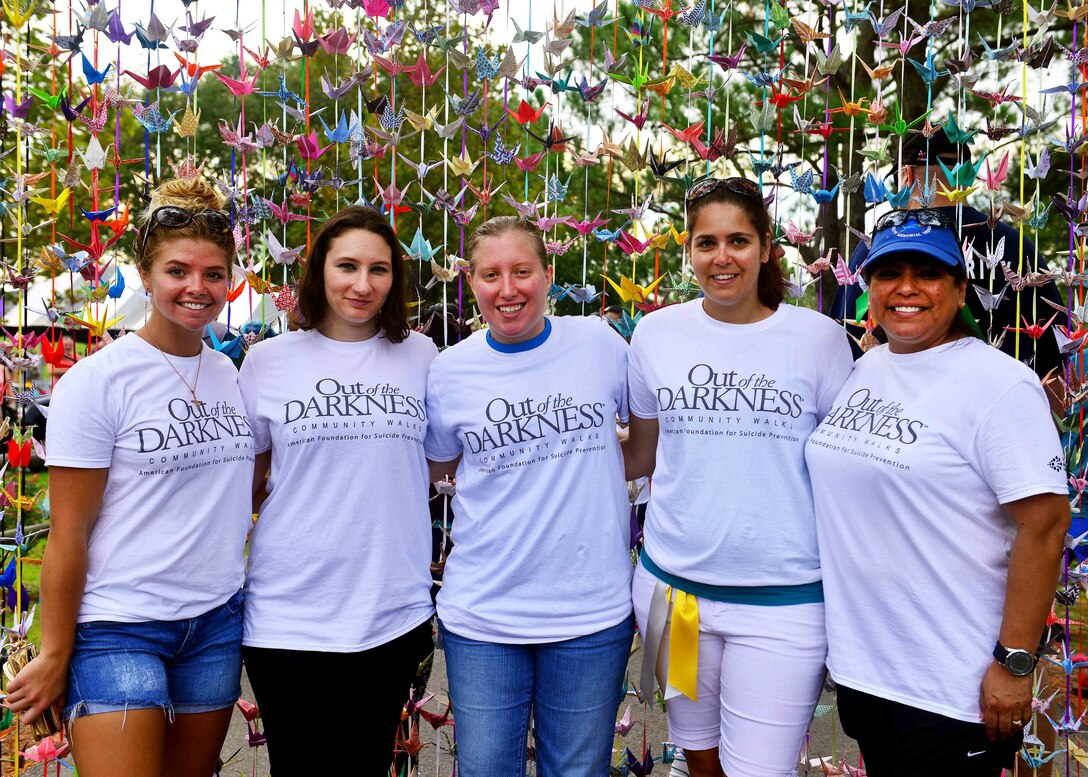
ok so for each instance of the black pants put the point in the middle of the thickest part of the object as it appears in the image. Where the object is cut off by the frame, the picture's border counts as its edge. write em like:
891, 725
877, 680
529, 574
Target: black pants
298, 689
897, 740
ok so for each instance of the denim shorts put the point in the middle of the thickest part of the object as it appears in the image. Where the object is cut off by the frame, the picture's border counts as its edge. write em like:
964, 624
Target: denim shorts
181, 667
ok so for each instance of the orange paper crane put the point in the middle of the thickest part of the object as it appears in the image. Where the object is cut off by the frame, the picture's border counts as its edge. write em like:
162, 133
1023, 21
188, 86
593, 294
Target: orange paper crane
120, 223
193, 70
851, 108
803, 85
807, 33
879, 72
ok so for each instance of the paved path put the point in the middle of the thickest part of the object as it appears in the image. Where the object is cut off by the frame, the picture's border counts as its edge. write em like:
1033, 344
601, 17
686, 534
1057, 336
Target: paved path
825, 737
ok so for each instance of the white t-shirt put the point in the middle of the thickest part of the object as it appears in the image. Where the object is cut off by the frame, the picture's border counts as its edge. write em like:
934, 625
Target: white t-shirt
541, 530
169, 539
339, 559
910, 469
731, 502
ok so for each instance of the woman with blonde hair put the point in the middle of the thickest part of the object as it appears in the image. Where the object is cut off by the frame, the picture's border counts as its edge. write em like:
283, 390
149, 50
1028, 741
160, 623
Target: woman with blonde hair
150, 459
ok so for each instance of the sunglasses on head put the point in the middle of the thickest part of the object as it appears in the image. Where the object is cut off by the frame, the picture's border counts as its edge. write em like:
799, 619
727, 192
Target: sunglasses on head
173, 217
927, 217
737, 185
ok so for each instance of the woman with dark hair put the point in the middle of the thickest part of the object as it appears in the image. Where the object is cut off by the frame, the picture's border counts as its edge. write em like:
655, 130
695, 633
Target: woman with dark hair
724, 392
535, 610
150, 457
338, 590
941, 508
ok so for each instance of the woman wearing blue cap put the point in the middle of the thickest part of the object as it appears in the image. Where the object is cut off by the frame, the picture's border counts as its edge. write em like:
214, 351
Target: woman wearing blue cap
939, 484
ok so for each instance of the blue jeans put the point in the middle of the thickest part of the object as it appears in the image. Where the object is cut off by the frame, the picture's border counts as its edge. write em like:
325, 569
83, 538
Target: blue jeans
572, 689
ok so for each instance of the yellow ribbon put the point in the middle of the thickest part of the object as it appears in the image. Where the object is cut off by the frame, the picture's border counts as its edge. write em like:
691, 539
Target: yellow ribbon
684, 643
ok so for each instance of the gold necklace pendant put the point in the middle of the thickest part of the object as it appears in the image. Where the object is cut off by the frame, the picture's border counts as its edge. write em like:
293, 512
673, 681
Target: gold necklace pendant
196, 403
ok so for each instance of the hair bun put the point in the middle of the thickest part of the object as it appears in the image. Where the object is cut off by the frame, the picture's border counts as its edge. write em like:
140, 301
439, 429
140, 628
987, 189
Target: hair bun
194, 194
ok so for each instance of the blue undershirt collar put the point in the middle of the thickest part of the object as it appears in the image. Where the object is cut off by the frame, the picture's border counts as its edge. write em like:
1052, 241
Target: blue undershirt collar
526, 345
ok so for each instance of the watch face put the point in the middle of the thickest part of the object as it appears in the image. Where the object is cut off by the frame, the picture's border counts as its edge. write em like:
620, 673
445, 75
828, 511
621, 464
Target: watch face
1020, 662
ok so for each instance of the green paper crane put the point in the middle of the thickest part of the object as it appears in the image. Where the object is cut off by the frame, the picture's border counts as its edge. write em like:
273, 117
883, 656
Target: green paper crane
779, 16
763, 44
956, 135
963, 174
638, 80
900, 127
878, 155
50, 101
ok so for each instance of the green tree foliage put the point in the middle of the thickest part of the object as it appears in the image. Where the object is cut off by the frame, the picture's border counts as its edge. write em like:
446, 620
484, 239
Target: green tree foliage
666, 74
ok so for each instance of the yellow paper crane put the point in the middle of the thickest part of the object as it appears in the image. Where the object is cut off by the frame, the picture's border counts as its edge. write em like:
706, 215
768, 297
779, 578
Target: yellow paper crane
660, 240
1074, 14
422, 121
686, 78
460, 165
630, 291
18, 18
56, 205
24, 502
189, 122
1079, 754
955, 195
97, 327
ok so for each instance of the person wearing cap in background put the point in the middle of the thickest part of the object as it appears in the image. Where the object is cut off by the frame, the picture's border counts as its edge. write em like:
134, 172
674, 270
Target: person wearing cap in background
614, 312
941, 511
919, 161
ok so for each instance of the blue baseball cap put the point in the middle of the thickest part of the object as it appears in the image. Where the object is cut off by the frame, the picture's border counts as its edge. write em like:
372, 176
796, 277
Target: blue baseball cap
921, 233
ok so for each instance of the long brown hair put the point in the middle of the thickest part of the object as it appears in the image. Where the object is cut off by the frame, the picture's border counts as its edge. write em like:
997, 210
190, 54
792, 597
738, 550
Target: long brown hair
392, 318
771, 285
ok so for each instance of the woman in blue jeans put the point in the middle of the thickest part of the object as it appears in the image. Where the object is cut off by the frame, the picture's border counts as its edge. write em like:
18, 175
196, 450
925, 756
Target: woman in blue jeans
534, 612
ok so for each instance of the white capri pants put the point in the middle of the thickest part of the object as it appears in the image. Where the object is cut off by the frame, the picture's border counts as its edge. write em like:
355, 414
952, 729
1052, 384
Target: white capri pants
760, 674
